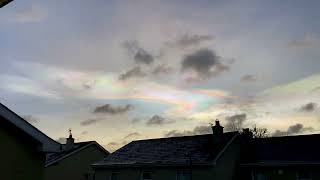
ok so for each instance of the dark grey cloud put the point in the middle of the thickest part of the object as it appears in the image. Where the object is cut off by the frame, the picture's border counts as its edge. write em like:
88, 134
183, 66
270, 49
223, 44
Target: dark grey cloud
111, 109
140, 55
249, 78
131, 46
309, 107
143, 57
196, 131
188, 40
88, 122
294, 129
132, 135
157, 120
135, 72
235, 122
30, 119
204, 62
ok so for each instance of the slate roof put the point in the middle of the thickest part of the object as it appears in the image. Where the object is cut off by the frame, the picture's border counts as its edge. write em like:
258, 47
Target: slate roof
168, 151
285, 151
52, 158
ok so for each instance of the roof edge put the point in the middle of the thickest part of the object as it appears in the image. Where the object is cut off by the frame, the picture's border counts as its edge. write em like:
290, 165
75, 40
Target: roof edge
48, 143
225, 148
77, 150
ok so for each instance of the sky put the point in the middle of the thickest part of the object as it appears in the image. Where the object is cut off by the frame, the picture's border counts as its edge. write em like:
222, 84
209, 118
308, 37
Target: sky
117, 71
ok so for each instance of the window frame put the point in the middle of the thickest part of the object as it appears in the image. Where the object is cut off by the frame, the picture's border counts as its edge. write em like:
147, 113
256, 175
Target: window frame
298, 178
188, 171
116, 172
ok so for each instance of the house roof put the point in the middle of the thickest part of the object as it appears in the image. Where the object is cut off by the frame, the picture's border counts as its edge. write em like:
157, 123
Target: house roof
52, 158
48, 144
284, 151
4, 2
14, 131
169, 151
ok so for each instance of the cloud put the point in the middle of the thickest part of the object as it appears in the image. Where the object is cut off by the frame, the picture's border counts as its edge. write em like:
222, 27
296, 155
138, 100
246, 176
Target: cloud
135, 72
84, 132
157, 120
140, 55
113, 144
31, 119
143, 57
196, 131
309, 107
61, 140
162, 69
111, 109
188, 40
249, 78
235, 122
204, 63
31, 14
132, 135
88, 122
294, 129
308, 40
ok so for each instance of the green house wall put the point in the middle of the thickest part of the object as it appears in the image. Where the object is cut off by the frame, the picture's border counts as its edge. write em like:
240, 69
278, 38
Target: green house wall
76, 166
224, 169
20, 158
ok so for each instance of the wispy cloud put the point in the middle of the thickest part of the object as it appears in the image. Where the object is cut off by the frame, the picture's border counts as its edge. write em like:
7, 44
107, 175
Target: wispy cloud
31, 119
294, 129
30, 14
308, 40
157, 120
196, 131
112, 109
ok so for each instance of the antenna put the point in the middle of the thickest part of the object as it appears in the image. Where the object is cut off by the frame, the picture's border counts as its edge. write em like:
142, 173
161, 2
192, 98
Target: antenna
70, 132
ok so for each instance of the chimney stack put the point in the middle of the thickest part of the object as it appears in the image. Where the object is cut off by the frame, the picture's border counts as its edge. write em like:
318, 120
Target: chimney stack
70, 141
217, 129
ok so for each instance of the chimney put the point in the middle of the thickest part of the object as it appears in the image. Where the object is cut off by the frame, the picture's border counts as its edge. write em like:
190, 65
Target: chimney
70, 142
247, 134
217, 129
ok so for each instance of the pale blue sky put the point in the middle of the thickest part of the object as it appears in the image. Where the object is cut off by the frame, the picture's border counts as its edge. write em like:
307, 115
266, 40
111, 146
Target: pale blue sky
62, 59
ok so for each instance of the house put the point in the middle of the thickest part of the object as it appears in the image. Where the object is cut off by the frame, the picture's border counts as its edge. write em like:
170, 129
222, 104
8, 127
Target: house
4, 2
282, 158
23, 147
74, 160
200, 157
28, 153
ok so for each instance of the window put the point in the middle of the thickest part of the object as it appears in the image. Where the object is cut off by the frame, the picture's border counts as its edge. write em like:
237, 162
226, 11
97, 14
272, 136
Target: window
183, 175
303, 175
258, 176
114, 176
146, 176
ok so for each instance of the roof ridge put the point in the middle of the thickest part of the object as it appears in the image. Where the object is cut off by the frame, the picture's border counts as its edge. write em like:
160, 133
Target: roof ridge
178, 137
